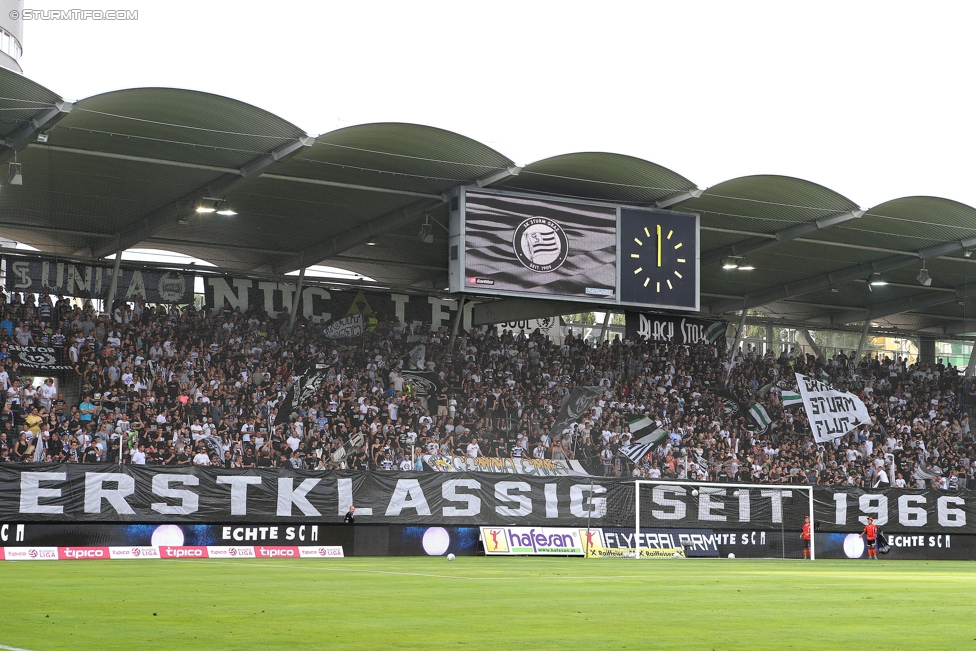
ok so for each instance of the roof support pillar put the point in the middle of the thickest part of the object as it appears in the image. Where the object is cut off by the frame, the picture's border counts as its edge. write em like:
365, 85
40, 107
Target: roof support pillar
603, 328
457, 321
863, 342
738, 335
294, 302
113, 287
971, 367
811, 343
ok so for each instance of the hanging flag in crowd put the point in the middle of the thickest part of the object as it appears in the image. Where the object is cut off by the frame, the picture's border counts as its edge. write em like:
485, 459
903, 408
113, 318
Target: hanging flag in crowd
831, 413
304, 389
715, 331
354, 443
422, 383
38, 358
791, 399
418, 355
759, 414
636, 452
639, 425
575, 406
346, 327
926, 472
639, 448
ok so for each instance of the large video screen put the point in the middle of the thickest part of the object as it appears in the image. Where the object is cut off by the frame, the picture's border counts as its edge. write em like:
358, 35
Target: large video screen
521, 245
535, 246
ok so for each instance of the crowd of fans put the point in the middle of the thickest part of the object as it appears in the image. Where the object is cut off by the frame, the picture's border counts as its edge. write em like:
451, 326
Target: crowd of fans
167, 386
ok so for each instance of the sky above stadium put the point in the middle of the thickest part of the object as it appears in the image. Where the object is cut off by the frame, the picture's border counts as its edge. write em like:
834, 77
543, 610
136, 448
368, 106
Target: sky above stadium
871, 99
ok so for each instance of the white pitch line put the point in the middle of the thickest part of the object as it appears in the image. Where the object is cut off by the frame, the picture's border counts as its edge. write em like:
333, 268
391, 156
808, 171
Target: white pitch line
433, 576
12, 648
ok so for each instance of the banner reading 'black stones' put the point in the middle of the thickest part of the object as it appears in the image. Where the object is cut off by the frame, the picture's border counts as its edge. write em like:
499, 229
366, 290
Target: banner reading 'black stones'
672, 329
103, 493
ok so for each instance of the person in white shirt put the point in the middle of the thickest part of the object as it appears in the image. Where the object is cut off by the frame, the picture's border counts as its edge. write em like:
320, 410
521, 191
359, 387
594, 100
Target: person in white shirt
293, 442
138, 455
474, 450
201, 459
48, 393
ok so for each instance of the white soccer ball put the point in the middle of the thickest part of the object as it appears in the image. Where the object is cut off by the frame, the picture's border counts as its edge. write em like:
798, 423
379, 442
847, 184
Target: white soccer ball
450, 557
695, 492
731, 555
677, 555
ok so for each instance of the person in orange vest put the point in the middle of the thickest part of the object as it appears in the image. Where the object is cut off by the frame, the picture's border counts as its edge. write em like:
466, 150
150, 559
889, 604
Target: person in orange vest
805, 534
870, 534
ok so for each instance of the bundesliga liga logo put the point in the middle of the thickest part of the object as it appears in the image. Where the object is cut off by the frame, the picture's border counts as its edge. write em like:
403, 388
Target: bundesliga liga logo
540, 244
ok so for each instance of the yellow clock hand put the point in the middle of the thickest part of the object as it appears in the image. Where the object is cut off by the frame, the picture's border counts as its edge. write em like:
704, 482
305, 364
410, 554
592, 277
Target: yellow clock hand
659, 245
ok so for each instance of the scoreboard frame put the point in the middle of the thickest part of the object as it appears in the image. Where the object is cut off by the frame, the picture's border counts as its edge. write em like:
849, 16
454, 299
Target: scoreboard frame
656, 260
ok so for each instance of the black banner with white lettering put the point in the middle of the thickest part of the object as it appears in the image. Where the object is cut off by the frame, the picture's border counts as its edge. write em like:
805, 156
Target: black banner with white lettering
671, 329
39, 358
38, 275
323, 306
98, 493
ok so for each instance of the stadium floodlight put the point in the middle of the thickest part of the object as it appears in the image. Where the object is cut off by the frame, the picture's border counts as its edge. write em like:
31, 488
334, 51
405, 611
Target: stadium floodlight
226, 211
968, 253
878, 282
730, 262
426, 234
923, 278
745, 266
205, 206
15, 175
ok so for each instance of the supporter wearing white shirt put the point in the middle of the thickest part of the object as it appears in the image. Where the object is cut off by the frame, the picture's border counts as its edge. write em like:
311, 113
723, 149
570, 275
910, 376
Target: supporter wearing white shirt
474, 450
293, 442
138, 455
201, 459
47, 393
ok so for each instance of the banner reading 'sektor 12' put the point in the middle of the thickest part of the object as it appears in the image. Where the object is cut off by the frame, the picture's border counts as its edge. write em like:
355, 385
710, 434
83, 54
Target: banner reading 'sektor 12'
102, 493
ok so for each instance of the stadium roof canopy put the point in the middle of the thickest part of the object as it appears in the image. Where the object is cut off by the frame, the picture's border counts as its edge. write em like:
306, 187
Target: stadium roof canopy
128, 168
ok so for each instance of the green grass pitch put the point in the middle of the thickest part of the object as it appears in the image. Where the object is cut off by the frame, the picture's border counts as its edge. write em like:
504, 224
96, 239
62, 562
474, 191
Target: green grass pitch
488, 603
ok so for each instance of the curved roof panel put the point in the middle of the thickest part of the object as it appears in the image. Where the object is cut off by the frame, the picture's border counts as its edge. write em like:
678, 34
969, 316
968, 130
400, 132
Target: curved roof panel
173, 124
407, 157
600, 176
765, 203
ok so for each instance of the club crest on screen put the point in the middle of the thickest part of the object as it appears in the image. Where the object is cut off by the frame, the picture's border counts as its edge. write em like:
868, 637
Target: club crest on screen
540, 244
